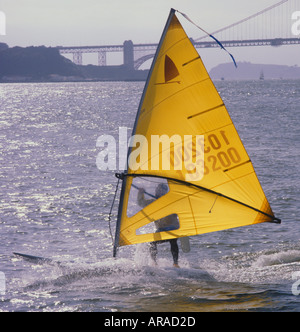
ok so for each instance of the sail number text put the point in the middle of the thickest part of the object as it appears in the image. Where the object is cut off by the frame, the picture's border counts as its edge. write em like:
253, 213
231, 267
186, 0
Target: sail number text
222, 159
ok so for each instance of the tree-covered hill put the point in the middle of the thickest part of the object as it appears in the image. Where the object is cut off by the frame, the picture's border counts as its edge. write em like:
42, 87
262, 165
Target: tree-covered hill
38, 63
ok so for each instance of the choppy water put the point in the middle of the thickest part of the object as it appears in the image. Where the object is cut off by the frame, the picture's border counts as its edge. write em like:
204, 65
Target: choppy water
54, 203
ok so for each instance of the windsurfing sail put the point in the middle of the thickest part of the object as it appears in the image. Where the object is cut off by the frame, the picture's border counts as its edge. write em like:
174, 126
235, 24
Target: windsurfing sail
181, 102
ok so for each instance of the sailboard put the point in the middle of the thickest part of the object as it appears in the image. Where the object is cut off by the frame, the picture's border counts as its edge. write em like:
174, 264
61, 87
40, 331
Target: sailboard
179, 101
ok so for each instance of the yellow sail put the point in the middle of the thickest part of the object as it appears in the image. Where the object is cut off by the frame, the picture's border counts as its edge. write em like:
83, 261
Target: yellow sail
181, 100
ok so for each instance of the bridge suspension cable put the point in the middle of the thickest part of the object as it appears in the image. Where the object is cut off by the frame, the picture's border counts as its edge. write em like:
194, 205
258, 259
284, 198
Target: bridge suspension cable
245, 19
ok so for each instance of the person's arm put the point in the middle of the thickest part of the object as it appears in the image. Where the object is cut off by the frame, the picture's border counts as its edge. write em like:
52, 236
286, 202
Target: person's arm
141, 198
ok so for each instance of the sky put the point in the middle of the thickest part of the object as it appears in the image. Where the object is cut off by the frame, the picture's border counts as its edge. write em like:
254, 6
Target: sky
111, 22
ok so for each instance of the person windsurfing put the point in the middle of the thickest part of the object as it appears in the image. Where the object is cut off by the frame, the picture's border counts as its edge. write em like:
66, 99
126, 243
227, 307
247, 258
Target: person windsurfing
165, 224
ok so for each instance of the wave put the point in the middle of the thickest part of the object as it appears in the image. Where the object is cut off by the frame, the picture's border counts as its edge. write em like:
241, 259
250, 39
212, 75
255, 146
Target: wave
279, 258
136, 272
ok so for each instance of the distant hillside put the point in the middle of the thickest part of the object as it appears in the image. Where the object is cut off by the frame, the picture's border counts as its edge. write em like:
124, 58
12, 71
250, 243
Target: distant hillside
3, 46
35, 63
46, 64
247, 70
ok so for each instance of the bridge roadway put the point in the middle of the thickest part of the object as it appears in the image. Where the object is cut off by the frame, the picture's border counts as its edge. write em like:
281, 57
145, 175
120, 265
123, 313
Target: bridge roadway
129, 49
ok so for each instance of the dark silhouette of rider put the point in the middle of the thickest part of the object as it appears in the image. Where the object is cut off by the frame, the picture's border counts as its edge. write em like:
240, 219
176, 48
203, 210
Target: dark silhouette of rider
162, 225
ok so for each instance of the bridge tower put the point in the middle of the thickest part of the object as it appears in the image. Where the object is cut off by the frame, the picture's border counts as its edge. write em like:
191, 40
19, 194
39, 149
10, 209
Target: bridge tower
128, 54
101, 58
77, 58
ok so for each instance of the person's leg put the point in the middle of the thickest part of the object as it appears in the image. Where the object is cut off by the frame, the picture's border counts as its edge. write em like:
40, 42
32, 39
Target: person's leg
174, 251
153, 251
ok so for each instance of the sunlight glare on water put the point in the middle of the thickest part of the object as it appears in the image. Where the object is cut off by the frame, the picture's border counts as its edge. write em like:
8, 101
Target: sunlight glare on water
55, 203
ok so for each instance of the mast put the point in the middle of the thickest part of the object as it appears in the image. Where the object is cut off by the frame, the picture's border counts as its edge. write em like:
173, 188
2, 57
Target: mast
117, 235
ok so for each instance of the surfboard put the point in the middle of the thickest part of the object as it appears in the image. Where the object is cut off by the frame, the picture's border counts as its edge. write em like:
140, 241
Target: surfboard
35, 259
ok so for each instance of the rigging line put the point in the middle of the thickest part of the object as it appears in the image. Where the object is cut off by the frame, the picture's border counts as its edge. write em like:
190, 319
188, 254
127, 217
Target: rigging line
274, 219
110, 212
213, 204
210, 35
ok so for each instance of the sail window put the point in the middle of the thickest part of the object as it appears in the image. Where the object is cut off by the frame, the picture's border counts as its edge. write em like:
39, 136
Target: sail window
171, 70
145, 191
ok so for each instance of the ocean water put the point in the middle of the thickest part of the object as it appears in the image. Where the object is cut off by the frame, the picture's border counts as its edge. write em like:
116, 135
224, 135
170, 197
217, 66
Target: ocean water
54, 202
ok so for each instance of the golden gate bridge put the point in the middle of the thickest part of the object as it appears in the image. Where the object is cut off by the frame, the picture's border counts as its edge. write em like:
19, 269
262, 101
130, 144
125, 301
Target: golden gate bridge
272, 26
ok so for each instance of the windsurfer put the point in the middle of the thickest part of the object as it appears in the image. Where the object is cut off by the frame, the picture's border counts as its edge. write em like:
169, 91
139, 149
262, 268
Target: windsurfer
168, 223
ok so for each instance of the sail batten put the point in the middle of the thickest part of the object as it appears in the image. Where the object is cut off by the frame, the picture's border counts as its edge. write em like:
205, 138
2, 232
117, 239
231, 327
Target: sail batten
206, 111
179, 101
236, 166
143, 113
